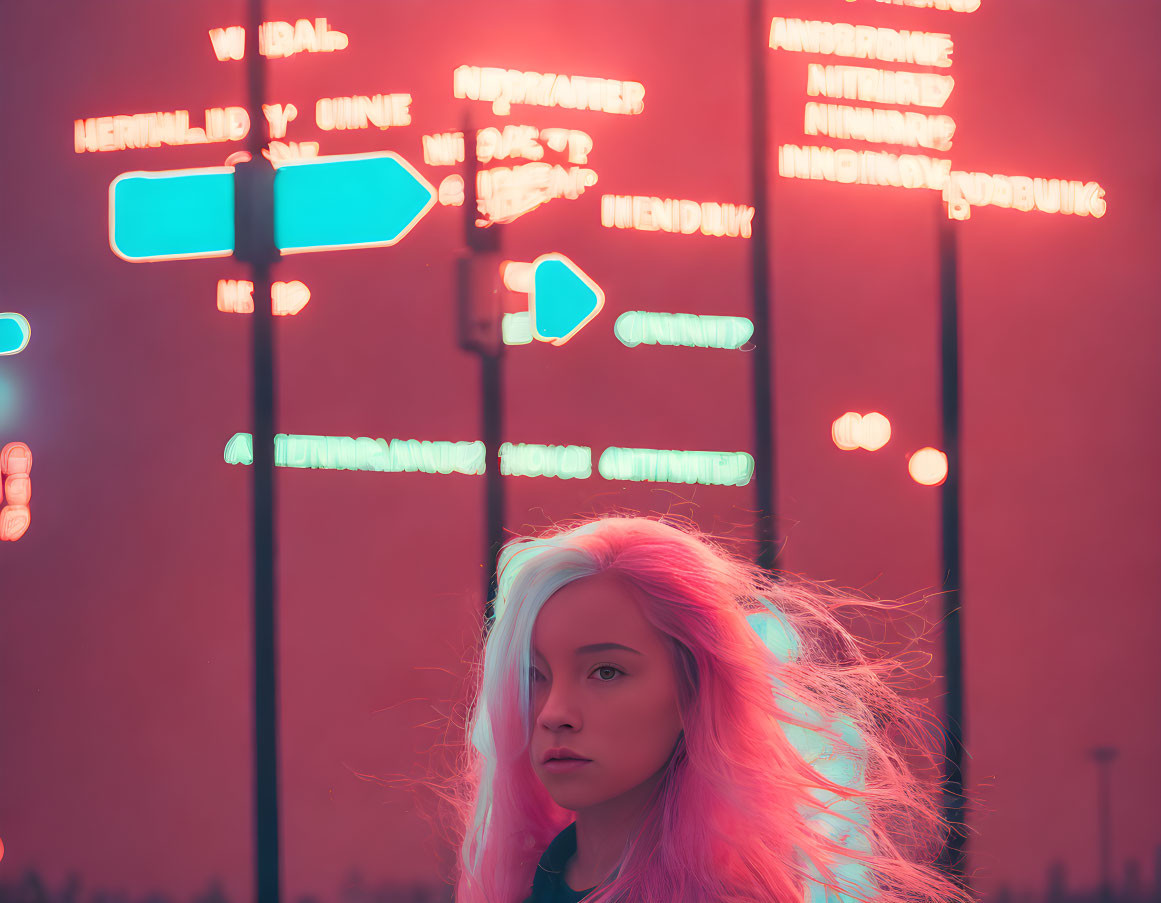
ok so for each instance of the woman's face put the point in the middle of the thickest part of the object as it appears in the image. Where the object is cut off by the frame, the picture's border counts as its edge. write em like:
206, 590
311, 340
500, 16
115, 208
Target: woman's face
616, 707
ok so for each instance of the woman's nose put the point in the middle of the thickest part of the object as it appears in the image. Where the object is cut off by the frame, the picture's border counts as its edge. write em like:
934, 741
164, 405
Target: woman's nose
559, 709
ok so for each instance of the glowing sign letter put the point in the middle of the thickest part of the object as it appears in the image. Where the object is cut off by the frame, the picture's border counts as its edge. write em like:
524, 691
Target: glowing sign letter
15, 465
14, 333
347, 201
174, 215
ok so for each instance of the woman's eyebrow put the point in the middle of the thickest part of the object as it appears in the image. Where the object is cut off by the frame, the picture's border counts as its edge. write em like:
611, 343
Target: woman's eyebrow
603, 647
597, 647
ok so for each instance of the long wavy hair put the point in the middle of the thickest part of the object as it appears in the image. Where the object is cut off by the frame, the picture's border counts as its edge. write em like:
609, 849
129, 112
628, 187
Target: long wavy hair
791, 781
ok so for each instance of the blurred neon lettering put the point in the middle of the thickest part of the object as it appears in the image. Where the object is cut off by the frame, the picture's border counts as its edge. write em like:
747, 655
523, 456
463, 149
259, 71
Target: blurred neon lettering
637, 327
652, 214
865, 42
565, 462
676, 466
881, 126
122, 132
919, 89
363, 453
359, 111
278, 39
504, 87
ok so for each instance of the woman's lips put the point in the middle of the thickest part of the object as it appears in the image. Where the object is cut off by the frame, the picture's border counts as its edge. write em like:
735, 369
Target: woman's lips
563, 765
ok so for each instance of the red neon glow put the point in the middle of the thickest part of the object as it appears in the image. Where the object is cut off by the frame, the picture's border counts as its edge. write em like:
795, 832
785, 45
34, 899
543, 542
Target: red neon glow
15, 467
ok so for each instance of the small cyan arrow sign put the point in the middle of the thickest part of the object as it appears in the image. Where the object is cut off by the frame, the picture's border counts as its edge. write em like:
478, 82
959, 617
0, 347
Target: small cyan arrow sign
562, 299
14, 333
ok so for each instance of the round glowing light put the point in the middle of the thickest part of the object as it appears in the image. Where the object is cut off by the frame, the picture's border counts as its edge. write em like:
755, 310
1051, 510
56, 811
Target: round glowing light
845, 431
928, 466
874, 431
1, 849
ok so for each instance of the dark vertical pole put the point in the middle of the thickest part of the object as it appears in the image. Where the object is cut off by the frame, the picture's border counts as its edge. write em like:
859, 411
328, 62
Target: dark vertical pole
491, 384
254, 242
952, 859
480, 320
763, 396
1104, 756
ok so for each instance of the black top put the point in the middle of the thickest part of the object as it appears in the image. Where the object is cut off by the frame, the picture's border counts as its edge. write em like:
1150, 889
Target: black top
548, 885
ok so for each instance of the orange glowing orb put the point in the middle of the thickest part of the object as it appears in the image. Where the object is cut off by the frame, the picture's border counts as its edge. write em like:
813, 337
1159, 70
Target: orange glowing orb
871, 431
928, 466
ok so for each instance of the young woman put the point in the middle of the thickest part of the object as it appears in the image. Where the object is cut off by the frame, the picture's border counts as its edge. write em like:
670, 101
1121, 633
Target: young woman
656, 720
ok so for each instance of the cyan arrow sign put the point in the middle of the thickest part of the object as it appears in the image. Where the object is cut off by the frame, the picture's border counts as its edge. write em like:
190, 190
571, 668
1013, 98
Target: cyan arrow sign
562, 300
351, 201
14, 333
320, 204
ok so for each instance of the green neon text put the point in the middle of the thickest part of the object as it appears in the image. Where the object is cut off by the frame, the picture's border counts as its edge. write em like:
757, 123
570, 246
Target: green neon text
636, 327
564, 461
516, 328
710, 468
363, 453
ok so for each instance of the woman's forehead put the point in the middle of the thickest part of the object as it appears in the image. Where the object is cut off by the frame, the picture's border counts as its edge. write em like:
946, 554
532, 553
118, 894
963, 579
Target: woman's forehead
592, 610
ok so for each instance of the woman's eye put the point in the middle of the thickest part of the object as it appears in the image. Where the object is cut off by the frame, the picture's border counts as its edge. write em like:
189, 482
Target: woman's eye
607, 668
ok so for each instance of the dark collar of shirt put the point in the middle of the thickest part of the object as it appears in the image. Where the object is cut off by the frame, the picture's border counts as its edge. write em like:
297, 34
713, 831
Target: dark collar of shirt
548, 885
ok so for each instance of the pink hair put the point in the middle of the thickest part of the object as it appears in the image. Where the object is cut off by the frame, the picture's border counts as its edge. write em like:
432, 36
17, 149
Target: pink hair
788, 784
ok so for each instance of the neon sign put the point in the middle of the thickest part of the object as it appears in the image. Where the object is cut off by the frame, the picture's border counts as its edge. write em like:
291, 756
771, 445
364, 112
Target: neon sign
960, 191
674, 466
506, 193
15, 332
360, 112
636, 327
920, 89
562, 298
278, 39
15, 467
864, 42
320, 204
881, 126
566, 462
447, 148
113, 133
864, 167
504, 87
236, 296
650, 214
363, 453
